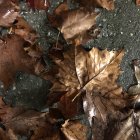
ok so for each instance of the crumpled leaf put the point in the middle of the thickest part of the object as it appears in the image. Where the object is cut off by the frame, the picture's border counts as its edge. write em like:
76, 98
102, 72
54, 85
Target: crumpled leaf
74, 24
34, 125
74, 130
8, 12
129, 128
108, 4
135, 89
90, 73
23, 29
14, 58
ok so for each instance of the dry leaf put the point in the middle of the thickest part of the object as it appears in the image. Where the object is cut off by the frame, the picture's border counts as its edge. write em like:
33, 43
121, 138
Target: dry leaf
23, 29
39, 4
34, 125
74, 130
14, 58
8, 12
90, 72
77, 22
74, 24
108, 4
135, 89
138, 2
3, 135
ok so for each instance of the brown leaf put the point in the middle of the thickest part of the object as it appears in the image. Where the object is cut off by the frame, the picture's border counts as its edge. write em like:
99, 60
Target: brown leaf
74, 130
33, 124
14, 58
3, 135
90, 72
135, 89
39, 4
107, 4
74, 24
8, 12
23, 29
68, 107
138, 2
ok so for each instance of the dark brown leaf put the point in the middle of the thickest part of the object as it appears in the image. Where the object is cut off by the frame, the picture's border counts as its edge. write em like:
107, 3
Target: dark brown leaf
23, 29
8, 12
39, 4
14, 58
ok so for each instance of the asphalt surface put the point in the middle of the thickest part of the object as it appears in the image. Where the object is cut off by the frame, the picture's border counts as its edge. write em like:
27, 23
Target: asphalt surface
120, 29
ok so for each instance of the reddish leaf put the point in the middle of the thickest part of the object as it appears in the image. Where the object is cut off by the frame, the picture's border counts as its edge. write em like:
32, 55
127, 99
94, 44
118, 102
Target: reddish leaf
8, 13
14, 58
138, 2
74, 130
23, 29
39, 4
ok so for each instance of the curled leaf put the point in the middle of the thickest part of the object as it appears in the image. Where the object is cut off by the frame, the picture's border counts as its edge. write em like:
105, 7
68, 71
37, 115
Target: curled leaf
135, 89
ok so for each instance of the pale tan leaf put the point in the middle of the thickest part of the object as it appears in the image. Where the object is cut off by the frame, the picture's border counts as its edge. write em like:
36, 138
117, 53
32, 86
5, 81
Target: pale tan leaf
74, 130
94, 73
77, 23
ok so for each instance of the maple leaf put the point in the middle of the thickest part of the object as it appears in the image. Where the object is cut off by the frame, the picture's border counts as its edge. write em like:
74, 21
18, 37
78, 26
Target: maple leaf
14, 58
8, 13
89, 72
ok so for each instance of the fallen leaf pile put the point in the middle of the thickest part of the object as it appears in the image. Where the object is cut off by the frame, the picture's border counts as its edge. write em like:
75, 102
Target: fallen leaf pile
78, 89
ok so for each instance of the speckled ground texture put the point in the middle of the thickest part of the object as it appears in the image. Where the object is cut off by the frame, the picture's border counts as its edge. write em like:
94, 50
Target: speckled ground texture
31, 91
120, 28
